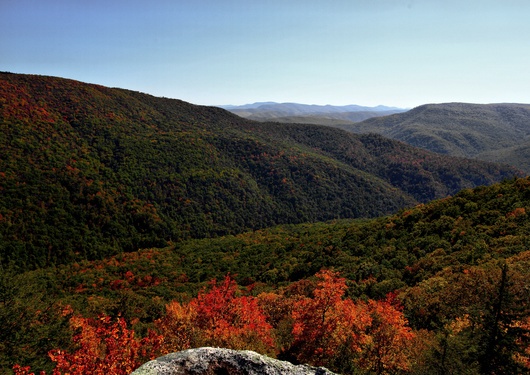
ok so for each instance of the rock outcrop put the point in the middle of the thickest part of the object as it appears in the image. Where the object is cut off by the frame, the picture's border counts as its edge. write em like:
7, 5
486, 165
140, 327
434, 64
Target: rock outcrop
217, 361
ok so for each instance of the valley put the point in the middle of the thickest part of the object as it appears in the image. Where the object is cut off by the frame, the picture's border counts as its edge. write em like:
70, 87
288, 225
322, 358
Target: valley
89, 172
132, 226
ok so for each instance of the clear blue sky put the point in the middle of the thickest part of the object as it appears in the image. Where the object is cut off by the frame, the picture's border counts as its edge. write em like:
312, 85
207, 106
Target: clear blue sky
368, 52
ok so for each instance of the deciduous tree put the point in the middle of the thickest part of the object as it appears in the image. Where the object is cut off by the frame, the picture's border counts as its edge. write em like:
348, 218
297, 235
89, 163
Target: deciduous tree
217, 317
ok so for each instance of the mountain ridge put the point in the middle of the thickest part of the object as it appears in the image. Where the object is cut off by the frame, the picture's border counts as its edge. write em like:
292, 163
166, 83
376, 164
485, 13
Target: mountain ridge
310, 108
90, 171
309, 113
459, 129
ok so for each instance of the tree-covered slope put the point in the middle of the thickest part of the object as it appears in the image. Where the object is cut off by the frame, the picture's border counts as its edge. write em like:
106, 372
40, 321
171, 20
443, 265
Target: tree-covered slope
421, 174
88, 171
459, 266
471, 228
518, 155
457, 129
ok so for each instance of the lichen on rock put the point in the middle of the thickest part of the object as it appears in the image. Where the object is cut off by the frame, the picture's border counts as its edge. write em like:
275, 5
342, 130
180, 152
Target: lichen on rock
218, 361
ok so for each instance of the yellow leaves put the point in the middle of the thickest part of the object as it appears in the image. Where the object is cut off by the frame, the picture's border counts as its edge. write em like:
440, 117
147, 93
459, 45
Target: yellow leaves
460, 324
177, 327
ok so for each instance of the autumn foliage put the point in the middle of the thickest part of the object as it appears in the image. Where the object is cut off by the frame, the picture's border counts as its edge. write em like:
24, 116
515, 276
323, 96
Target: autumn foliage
104, 347
387, 349
336, 332
217, 317
327, 325
310, 321
325, 329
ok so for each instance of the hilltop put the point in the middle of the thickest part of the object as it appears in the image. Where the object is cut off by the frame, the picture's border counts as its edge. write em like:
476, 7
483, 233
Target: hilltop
90, 171
493, 132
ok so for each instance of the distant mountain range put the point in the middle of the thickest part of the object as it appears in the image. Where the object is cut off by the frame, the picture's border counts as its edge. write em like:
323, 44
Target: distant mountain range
88, 171
305, 113
297, 108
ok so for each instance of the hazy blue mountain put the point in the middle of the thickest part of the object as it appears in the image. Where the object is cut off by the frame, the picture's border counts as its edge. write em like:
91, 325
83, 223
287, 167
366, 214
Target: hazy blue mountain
246, 106
309, 113
329, 119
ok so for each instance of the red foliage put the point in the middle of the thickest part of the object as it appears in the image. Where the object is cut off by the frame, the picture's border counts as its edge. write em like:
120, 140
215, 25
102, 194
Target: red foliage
326, 324
19, 104
329, 330
19, 370
104, 347
217, 318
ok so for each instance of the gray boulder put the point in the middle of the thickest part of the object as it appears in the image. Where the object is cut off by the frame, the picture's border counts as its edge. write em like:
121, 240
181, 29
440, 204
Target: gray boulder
217, 361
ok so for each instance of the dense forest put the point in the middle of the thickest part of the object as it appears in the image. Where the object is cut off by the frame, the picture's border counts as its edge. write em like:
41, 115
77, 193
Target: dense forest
88, 172
133, 226
441, 288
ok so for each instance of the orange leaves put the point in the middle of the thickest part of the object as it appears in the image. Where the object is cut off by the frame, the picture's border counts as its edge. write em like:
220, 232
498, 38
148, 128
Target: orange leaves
519, 211
523, 356
311, 322
231, 321
177, 327
222, 315
328, 329
330, 288
105, 347
326, 324
387, 349
217, 318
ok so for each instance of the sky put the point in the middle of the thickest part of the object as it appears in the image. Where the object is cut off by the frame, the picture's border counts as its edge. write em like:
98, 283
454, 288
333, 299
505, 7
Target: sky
401, 53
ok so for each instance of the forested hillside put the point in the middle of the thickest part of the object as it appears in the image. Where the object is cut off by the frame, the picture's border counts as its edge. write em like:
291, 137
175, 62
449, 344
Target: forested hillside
88, 172
439, 288
518, 155
482, 131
